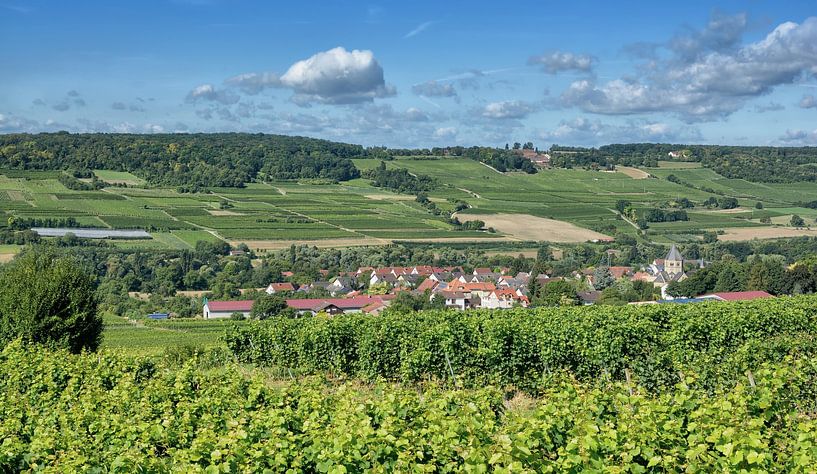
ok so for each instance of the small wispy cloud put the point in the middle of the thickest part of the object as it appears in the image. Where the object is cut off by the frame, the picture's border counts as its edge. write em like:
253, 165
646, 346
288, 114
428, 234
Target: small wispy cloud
429, 101
15, 8
476, 73
419, 29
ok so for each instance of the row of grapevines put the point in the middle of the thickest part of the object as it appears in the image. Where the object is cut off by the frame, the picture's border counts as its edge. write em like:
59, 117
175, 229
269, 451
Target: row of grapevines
520, 346
105, 413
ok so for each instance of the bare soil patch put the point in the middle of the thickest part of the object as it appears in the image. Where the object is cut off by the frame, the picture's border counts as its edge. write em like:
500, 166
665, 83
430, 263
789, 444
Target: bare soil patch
16, 195
264, 245
193, 293
223, 212
389, 197
139, 295
527, 227
497, 238
634, 173
6, 257
736, 210
322, 243
512, 253
749, 233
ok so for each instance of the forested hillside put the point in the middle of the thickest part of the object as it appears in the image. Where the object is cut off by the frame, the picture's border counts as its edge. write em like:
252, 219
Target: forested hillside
185, 160
233, 159
753, 163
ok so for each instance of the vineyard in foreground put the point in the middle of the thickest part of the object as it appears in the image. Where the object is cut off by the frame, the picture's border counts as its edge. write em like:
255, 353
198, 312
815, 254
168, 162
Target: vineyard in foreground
108, 413
521, 347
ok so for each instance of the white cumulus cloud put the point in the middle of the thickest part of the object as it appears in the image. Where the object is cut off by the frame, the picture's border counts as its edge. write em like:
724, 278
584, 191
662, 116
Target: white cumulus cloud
337, 76
707, 77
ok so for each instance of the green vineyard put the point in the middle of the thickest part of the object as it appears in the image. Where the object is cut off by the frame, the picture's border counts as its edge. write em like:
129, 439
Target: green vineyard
106, 413
654, 343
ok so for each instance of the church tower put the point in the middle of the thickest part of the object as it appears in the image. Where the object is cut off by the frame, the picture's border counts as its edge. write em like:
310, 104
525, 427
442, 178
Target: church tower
674, 263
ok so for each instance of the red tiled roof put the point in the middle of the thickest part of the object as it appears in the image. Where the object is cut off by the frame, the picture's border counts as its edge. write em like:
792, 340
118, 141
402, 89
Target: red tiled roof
424, 269
641, 276
742, 295
459, 286
282, 286
222, 306
619, 272
505, 292
392, 270
374, 306
427, 284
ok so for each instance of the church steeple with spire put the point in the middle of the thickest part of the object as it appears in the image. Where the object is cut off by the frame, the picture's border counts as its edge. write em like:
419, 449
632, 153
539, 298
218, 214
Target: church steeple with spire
674, 263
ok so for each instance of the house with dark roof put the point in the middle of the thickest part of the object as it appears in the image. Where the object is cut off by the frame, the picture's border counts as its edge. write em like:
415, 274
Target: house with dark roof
408, 280
589, 297
440, 276
341, 285
485, 277
513, 283
315, 285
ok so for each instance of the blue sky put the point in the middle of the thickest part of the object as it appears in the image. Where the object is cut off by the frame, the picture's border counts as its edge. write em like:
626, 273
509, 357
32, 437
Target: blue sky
416, 74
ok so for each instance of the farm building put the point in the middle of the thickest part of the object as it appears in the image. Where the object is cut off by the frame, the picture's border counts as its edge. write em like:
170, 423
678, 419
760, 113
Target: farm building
738, 296
724, 296
225, 309
336, 305
91, 233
